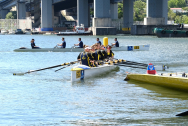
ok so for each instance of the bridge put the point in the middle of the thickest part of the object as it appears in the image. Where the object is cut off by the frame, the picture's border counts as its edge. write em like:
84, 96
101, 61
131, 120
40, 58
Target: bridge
104, 11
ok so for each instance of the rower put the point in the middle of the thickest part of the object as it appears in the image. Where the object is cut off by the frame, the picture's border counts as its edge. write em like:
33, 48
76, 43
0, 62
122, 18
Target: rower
116, 44
80, 44
98, 46
84, 58
98, 41
103, 52
63, 45
109, 53
151, 69
33, 45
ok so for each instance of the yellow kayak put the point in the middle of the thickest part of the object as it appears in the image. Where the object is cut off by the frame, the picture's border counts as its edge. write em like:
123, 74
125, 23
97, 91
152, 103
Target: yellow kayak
174, 81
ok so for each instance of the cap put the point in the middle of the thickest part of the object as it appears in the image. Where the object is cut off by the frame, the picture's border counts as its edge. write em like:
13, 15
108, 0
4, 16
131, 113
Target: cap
88, 48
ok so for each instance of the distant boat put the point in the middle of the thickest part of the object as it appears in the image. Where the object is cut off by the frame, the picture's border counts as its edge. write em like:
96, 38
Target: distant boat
28, 31
3, 32
161, 32
79, 30
19, 31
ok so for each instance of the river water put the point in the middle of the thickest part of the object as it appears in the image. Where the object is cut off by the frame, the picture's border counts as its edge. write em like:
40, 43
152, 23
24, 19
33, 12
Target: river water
49, 98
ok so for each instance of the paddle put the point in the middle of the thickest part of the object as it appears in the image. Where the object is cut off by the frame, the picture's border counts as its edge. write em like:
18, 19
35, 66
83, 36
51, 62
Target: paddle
126, 65
55, 47
162, 67
183, 114
63, 67
30, 71
72, 47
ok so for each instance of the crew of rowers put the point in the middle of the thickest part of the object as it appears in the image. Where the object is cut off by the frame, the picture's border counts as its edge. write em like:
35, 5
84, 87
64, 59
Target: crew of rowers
95, 55
80, 44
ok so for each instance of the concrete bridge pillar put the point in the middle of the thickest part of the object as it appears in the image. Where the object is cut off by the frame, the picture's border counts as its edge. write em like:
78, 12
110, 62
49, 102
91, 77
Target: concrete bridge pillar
157, 11
83, 12
114, 10
21, 10
46, 15
3, 13
127, 13
102, 17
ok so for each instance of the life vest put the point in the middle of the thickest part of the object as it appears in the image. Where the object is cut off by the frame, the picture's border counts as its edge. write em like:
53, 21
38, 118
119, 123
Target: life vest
108, 55
84, 59
151, 69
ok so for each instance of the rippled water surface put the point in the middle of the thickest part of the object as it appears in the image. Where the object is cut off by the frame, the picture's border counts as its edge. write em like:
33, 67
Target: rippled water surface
49, 98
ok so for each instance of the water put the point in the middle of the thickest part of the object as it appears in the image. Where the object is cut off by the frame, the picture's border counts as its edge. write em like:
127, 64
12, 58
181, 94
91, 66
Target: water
49, 98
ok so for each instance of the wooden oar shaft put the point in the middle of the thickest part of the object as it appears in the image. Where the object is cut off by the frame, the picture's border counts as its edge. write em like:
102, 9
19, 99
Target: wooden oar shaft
136, 63
130, 66
45, 68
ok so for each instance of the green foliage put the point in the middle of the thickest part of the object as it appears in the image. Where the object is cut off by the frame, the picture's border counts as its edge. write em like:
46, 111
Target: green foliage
120, 10
11, 15
171, 15
139, 10
176, 3
91, 12
185, 8
181, 19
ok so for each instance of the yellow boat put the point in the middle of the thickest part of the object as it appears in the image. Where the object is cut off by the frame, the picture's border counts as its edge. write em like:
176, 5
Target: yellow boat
172, 80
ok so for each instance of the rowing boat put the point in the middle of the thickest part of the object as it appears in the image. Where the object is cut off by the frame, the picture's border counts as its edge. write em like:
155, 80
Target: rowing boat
121, 48
171, 80
82, 72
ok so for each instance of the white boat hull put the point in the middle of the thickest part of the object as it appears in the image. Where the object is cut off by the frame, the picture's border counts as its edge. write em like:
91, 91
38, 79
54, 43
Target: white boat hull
121, 48
81, 74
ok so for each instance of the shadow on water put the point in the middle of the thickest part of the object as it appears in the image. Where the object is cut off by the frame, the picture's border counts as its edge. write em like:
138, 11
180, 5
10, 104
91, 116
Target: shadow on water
160, 90
90, 81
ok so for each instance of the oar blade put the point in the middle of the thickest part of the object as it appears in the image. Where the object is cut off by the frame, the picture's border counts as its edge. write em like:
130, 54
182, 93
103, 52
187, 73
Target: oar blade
183, 114
18, 74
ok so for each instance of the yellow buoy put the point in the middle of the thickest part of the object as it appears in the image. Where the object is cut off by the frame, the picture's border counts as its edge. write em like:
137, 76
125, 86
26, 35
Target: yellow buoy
105, 41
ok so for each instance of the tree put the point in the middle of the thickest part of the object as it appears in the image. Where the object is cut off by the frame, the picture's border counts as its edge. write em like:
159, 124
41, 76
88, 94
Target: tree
139, 10
176, 3
120, 10
91, 12
11, 15
171, 15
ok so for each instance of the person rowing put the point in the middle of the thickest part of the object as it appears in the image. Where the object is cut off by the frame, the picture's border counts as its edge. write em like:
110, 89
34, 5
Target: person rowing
109, 53
63, 45
116, 44
84, 57
33, 46
98, 41
80, 44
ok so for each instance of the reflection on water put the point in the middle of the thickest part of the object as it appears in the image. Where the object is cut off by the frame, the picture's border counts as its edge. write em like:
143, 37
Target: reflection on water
161, 91
49, 98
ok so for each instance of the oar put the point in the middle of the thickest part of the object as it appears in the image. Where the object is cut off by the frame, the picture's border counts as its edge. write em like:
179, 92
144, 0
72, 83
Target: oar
130, 66
119, 64
162, 67
63, 67
183, 114
135, 63
30, 71
54, 47
72, 48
